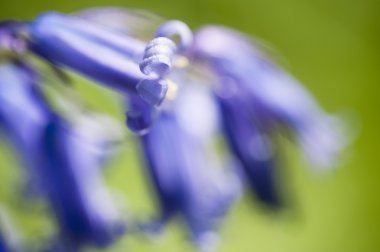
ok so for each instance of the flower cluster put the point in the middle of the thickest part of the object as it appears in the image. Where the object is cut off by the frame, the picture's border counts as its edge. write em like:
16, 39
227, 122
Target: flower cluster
184, 93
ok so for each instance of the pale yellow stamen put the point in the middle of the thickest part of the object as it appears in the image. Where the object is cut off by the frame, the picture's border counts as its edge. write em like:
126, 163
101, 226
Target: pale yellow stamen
172, 90
181, 62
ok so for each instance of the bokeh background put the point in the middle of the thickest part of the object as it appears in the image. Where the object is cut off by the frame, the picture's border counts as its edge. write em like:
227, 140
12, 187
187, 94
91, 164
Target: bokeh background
332, 46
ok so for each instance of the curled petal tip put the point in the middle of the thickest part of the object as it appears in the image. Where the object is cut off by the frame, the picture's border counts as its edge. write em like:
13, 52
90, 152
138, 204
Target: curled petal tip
139, 121
152, 91
177, 28
157, 64
158, 57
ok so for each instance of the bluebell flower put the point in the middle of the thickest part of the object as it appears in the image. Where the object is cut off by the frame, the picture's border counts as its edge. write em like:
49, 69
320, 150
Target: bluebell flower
70, 42
70, 176
184, 172
181, 92
272, 95
256, 100
63, 159
23, 113
104, 55
250, 143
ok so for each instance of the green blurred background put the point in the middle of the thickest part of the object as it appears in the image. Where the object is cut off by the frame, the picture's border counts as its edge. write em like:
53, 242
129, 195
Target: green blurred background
332, 47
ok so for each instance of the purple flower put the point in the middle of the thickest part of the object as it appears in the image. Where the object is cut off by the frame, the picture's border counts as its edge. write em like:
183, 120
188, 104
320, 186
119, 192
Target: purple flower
104, 55
256, 100
62, 159
271, 94
183, 92
183, 169
250, 142
23, 112
70, 175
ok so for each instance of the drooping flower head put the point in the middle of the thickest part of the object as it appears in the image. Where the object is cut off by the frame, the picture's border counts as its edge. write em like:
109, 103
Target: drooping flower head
159, 76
